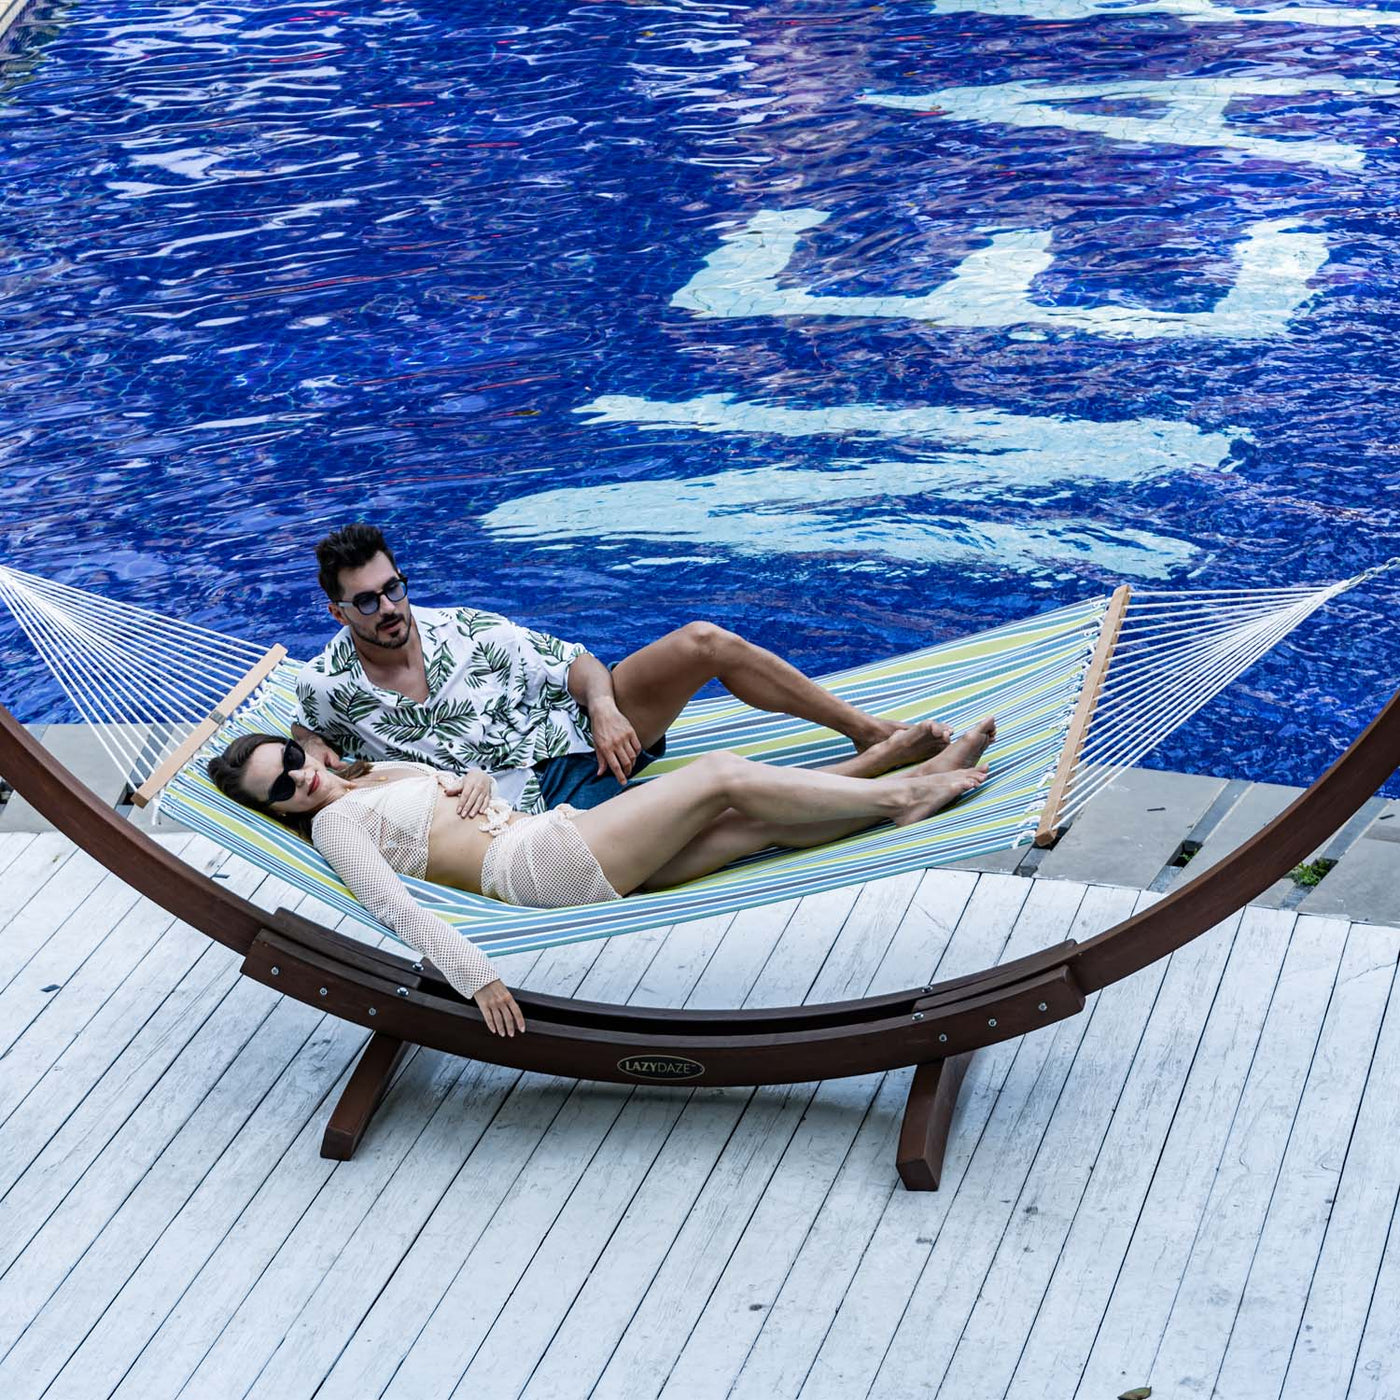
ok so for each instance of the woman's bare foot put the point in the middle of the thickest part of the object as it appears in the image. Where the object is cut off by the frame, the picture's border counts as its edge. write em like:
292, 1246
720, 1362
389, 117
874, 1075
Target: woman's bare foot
882, 731
964, 751
931, 792
910, 743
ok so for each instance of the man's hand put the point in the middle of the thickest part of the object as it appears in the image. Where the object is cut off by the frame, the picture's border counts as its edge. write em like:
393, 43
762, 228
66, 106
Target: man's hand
614, 740
498, 1009
472, 789
315, 746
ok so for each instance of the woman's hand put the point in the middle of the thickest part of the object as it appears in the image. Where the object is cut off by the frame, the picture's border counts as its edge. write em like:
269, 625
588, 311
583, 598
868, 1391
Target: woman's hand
472, 790
499, 1010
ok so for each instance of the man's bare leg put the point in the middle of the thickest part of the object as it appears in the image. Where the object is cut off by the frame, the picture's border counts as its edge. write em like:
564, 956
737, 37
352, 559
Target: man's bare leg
655, 684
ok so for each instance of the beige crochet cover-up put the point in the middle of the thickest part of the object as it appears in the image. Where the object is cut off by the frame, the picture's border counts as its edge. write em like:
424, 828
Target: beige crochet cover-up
373, 832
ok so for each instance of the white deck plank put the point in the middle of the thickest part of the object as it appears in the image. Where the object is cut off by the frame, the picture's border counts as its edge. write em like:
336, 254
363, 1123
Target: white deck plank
134, 1183
538, 1114
779, 970
1120, 1357
1271, 1310
12, 846
366, 1209
792, 1326
811, 1286
39, 893
1004, 920
723, 1334
1376, 1375
422, 1278
79, 937
1011, 1294
214, 1142
1340, 1297
522, 1330
1058, 1339
549, 1134
437, 1365
70, 1013
66, 1121
661, 1327
943, 1298
1191, 1349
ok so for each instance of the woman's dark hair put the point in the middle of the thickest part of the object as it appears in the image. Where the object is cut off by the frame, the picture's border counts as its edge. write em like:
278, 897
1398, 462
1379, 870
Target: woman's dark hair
348, 549
226, 773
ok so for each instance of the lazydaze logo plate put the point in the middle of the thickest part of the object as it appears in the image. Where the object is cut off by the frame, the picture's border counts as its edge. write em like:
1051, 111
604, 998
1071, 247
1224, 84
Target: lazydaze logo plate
664, 1067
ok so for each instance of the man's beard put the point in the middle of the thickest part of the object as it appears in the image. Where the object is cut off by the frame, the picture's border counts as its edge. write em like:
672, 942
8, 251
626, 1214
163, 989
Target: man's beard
389, 642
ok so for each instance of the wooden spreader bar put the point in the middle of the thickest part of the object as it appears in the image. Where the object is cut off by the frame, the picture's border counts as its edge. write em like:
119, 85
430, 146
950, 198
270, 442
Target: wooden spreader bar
182, 753
1083, 715
934, 1028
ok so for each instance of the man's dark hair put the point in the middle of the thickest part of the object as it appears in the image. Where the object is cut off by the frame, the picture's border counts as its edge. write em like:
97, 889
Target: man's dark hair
348, 549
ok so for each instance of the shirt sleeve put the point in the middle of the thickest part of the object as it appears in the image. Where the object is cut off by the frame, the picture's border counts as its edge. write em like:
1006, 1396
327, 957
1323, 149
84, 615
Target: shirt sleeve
546, 659
354, 856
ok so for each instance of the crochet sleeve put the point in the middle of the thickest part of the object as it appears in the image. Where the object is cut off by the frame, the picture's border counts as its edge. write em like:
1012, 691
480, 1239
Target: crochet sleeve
353, 855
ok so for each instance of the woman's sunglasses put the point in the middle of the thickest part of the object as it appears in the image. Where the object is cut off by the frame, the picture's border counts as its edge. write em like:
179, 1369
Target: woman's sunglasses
367, 604
285, 788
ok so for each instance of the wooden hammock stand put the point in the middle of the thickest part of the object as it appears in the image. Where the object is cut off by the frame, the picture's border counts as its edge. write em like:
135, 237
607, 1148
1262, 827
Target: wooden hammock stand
936, 1028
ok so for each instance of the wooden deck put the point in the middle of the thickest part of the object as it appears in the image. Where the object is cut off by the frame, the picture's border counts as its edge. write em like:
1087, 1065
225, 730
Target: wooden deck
1191, 1186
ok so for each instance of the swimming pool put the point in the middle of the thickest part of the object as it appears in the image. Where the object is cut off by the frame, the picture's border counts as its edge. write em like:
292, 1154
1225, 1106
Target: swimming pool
848, 326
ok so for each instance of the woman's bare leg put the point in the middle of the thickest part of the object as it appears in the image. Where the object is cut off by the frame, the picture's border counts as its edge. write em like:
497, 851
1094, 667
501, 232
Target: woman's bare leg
637, 833
732, 835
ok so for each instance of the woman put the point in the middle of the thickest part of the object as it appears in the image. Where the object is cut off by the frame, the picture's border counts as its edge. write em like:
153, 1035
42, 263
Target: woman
370, 821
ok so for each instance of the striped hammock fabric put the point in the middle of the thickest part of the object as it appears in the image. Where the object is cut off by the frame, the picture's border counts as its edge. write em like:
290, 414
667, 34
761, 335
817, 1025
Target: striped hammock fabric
155, 688
1028, 674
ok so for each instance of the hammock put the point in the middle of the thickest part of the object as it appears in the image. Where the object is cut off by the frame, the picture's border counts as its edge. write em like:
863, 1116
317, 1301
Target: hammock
165, 695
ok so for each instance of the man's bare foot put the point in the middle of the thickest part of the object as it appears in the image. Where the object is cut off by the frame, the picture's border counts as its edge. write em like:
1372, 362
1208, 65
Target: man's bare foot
932, 792
882, 731
910, 743
964, 751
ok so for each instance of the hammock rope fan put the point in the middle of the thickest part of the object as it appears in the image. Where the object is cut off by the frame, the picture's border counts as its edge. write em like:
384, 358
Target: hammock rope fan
1080, 693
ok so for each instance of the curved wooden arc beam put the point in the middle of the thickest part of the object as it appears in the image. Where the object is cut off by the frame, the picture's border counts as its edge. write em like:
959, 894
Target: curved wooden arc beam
407, 1001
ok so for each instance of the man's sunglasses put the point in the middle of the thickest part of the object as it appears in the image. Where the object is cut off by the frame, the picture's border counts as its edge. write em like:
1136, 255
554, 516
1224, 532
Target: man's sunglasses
396, 590
285, 788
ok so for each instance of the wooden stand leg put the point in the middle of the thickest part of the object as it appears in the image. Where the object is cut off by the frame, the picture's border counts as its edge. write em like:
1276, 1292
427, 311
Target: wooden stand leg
362, 1094
927, 1116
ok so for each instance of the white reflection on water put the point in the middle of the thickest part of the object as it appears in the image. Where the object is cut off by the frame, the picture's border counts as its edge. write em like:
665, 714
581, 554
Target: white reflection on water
1191, 11
992, 286
1189, 111
861, 508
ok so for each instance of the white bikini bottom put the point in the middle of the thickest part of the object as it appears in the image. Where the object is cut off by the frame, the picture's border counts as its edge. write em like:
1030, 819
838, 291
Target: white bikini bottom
543, 862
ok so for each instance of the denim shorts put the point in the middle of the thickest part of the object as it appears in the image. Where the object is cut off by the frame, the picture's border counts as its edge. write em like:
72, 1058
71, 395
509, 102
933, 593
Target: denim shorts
574, 777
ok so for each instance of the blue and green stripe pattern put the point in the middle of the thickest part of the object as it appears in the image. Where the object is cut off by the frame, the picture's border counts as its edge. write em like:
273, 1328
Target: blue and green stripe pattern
1028, 674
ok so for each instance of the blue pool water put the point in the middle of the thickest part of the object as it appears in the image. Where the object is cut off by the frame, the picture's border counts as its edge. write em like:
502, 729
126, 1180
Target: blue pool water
805, 318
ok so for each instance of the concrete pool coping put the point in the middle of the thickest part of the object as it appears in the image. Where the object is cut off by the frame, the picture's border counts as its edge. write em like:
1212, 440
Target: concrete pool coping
1144, 831
10, 13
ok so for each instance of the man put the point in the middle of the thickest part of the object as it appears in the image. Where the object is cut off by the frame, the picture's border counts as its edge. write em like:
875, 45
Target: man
460, 688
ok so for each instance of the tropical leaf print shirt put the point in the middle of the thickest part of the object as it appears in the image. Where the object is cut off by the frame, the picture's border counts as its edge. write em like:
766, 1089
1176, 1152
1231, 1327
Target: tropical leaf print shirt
498, 699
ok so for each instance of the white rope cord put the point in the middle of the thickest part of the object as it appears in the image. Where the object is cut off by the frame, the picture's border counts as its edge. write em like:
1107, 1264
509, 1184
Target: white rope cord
1125, 729
165, 687
129, 672
1145, 728
80, 598
74, 685
1186, 685
222, 667
1143, 675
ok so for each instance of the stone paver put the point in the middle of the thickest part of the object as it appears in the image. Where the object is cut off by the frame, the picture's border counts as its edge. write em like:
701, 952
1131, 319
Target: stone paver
1132, 829
1365, 882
